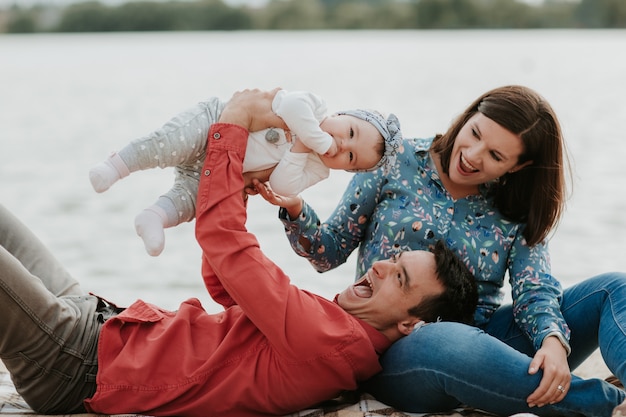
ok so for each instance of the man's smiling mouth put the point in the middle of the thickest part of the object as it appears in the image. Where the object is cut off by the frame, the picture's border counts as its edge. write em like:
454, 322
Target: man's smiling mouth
363, 288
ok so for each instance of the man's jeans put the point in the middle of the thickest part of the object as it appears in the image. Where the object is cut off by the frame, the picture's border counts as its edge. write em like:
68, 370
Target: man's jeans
48, 327
443, 365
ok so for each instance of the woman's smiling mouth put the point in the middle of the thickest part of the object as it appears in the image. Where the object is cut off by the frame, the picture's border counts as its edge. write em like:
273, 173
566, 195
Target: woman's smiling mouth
466, 166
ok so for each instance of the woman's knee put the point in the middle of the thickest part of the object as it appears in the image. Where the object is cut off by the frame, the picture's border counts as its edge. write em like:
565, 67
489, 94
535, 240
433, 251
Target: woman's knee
609, 279
609, 283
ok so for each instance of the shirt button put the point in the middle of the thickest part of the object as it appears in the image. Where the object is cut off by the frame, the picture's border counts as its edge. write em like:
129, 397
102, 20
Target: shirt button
216, 135
207, 172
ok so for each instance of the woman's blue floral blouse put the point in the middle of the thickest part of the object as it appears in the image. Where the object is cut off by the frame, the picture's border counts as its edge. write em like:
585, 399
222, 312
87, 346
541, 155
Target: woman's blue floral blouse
410, 209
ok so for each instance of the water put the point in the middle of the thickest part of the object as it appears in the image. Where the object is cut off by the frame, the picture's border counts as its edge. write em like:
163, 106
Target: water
68, 100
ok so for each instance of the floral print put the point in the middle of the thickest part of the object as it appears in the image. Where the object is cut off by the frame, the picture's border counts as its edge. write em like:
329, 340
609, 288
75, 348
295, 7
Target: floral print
410, 209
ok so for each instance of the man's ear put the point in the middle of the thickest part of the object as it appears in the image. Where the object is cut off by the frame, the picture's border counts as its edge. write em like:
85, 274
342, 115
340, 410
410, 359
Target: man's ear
406, 327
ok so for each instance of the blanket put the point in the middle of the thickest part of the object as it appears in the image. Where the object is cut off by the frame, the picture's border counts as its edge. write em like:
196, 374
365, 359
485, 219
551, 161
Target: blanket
358, 405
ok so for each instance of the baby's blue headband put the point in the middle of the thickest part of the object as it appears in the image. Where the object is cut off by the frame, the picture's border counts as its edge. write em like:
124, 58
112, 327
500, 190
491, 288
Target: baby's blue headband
390, 131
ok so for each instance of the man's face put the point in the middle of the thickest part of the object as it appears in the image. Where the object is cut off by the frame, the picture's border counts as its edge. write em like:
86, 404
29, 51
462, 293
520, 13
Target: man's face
383, 296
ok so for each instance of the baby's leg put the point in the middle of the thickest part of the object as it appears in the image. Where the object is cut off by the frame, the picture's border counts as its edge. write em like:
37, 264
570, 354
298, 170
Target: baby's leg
179, 142
178, 205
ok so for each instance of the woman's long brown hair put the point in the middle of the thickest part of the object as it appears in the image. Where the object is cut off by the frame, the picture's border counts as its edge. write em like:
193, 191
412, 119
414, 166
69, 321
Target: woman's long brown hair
536, 194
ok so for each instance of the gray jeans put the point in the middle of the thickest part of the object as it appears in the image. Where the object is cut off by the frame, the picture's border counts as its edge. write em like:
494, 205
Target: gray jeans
49, 327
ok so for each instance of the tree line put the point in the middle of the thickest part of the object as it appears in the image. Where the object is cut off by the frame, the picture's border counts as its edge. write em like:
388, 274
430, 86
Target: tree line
94, 16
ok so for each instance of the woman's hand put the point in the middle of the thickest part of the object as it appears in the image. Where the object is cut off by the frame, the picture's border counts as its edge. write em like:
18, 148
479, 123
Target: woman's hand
293, 205
261, 176
252, 110
555, 383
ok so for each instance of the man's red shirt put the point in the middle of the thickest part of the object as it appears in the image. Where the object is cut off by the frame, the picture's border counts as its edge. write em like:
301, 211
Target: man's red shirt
275, 349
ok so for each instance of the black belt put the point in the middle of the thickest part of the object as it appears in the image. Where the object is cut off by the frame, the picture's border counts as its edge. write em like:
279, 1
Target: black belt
105, 310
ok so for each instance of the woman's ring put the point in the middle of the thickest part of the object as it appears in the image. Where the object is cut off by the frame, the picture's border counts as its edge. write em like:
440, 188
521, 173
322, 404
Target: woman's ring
560, 388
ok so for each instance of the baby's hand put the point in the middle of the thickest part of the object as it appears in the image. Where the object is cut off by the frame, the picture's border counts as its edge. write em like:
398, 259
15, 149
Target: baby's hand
332, 151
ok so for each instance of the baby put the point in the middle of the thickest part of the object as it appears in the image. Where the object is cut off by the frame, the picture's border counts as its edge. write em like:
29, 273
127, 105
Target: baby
352, 140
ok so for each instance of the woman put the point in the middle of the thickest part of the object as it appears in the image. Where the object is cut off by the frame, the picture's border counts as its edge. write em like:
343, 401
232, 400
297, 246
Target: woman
493, 186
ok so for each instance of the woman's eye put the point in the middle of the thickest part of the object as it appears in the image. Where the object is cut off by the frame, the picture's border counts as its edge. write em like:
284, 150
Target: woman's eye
400, 279
475, 133
351, 133
496, 157
351, 156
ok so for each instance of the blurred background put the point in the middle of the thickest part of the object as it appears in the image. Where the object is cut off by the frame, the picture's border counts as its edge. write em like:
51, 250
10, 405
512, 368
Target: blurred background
27, 16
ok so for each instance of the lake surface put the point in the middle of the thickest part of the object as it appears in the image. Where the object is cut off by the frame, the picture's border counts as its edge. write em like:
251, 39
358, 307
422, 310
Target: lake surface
68, 100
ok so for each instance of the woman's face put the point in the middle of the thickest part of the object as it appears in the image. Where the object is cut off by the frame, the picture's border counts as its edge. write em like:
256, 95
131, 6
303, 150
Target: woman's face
483, 151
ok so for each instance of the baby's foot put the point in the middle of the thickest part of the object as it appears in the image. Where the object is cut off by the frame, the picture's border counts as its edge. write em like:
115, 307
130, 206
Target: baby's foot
149, 226
102, 176
107, 173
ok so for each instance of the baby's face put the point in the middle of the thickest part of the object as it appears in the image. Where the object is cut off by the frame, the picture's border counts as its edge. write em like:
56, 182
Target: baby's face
359, 144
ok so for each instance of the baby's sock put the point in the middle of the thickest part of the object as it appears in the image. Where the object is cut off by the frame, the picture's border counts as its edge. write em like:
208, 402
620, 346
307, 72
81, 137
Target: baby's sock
106, 173
149, 225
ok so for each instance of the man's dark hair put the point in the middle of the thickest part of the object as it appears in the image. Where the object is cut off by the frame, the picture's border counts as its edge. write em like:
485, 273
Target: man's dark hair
460, 296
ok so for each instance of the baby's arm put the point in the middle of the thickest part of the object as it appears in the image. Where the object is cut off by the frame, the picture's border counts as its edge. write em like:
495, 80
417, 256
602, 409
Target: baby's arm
296, 172
303, 112
299, 146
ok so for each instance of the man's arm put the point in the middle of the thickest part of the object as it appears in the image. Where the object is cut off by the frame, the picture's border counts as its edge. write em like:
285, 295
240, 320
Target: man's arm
232, 254
249, 109
288, 317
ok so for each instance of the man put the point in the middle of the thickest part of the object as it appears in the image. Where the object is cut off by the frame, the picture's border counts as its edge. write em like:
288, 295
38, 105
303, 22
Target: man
276, 349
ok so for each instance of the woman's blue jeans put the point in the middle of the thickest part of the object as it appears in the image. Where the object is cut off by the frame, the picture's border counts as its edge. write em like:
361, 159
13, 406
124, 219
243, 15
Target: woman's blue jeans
444, 365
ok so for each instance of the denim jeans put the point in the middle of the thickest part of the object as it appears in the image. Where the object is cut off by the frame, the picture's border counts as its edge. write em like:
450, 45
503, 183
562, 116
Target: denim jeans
441, 366
48, 327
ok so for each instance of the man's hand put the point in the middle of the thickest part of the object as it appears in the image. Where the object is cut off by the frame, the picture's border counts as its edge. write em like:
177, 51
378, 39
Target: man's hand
252, 110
